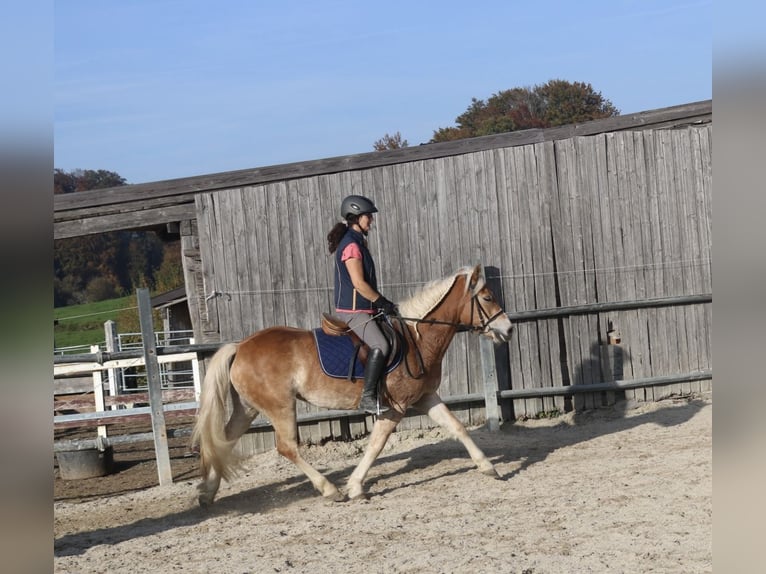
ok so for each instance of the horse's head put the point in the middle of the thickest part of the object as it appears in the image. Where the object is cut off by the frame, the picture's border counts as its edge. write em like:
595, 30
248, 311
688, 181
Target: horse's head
482, 311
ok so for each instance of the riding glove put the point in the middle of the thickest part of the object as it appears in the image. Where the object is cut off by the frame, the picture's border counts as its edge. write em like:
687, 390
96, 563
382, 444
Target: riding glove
383, 304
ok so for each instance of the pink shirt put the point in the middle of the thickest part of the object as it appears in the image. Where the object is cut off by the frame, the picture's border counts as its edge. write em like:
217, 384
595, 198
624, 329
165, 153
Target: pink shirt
351, 251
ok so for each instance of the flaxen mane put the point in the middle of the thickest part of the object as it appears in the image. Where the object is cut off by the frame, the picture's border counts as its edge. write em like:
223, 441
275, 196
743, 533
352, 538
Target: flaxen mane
428, 298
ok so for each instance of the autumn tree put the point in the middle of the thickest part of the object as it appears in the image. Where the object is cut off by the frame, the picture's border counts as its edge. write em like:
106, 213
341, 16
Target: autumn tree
84, 179
390, 142
555, 103
105, 265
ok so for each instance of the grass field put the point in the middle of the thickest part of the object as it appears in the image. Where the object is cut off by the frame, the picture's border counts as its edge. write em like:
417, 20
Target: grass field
84, 324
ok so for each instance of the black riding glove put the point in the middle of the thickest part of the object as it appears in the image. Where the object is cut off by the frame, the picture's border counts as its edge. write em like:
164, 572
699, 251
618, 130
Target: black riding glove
383, 304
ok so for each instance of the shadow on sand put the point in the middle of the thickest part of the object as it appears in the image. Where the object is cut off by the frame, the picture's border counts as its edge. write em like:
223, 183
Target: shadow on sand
505, 446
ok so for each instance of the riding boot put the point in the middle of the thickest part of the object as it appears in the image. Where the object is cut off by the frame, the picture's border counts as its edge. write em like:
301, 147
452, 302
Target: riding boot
376, 362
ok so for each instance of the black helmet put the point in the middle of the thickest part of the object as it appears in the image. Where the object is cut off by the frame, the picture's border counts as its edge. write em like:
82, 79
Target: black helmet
356, 205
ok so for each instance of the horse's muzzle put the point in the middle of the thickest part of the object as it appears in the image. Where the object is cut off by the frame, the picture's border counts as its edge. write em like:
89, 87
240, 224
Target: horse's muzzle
499, 330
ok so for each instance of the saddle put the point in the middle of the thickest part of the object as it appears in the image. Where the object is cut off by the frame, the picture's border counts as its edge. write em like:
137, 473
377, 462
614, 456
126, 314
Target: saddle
342, 354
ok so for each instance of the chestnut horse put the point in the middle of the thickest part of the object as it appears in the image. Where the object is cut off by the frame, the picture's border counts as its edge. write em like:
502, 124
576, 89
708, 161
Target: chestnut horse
267, 372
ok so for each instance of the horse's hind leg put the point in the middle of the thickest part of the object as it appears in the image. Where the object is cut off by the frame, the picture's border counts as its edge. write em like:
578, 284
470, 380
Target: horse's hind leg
438, 411
238, 423
286, 432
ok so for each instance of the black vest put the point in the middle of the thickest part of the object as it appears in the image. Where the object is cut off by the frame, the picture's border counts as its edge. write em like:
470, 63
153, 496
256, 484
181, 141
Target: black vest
345, 296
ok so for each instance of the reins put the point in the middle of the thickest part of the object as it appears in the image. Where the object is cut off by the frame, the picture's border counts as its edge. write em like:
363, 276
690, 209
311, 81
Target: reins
484, 317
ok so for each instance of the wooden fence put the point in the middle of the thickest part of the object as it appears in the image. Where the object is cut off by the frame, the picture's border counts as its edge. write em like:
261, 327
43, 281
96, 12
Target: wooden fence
613, 217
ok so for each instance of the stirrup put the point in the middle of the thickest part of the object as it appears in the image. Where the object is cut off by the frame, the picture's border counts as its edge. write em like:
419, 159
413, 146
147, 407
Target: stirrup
377, 409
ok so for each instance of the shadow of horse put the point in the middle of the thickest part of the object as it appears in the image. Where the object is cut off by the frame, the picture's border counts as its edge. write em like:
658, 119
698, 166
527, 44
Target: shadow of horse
563, 434
506, 446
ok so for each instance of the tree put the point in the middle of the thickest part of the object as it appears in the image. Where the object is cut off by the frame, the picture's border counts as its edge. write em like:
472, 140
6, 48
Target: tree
92, 267
555, 103
390, 142
84, 179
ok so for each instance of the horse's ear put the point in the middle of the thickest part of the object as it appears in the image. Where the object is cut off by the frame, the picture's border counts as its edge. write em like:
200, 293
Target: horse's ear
475, 276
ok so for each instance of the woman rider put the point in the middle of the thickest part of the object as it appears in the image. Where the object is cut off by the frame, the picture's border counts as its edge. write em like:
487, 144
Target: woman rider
356, 296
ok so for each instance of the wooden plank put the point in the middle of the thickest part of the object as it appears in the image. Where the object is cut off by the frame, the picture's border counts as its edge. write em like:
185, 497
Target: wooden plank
309, 249
506, 292
703, 185
72, 385
476, 219
547, 190
520, 367
210, 327
619, 234
565, 250
72, 368
86, 401
536, 274
252, 301
132, 216
668, 236
428, 213
689, 245
239, 251
117, 418
262, 281
658, 351
583, 210
638, 206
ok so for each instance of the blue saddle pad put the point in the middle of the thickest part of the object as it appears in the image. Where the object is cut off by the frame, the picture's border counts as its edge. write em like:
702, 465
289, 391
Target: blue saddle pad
336, 353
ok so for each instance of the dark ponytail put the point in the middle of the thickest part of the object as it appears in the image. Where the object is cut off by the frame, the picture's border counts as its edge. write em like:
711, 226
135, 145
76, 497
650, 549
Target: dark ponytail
337, 232
335, 235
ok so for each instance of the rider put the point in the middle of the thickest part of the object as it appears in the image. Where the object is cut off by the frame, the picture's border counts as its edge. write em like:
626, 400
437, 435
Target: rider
356, 296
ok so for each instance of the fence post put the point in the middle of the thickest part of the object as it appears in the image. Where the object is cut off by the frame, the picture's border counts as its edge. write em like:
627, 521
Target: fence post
98, 393
110, 331
155, 389
196, 375
489, 375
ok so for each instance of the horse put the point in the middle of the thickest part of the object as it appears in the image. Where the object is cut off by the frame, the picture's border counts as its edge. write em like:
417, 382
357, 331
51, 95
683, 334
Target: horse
269, 371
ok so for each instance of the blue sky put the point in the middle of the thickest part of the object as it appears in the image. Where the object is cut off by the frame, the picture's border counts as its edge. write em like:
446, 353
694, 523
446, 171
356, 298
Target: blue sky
162, 89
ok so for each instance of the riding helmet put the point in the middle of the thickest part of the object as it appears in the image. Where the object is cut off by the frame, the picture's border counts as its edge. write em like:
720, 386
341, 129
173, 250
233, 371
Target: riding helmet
356, 205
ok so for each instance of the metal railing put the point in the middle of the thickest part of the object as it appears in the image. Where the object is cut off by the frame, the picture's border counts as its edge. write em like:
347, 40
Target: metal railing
133, 379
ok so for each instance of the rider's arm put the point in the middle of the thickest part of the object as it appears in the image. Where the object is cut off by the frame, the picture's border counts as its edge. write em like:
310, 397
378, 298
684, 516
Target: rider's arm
356, 272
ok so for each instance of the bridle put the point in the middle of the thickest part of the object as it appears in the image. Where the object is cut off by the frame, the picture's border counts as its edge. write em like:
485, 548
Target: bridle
485, 320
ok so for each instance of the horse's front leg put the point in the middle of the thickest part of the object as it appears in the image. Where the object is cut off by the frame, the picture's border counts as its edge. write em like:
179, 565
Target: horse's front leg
439, 413
382, 429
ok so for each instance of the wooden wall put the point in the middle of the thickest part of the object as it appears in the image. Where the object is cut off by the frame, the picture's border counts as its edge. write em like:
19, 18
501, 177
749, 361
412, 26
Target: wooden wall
608, 217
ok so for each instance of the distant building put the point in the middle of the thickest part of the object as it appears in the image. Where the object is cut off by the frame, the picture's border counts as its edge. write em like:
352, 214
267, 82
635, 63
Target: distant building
174, 308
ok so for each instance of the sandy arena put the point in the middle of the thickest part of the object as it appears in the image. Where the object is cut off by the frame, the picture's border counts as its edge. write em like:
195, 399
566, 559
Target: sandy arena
608, 491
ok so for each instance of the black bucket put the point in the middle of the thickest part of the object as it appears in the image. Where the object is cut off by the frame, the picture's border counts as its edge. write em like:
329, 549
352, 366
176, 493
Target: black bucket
85, 463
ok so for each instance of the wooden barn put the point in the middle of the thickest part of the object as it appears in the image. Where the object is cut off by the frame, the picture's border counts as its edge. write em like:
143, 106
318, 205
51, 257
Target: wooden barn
597, 237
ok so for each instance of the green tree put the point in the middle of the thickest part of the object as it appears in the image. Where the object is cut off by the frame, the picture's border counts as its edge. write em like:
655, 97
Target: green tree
555, 103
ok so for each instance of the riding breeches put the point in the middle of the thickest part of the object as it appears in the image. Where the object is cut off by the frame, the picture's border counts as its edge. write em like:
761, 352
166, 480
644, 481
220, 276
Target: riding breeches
367, 329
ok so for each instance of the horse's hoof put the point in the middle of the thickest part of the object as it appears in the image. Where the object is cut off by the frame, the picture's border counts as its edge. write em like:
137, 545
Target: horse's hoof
204, 501
362, 497
491, 472
337, 496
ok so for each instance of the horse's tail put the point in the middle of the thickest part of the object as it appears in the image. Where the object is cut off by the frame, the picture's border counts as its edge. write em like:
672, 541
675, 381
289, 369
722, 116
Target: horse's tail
216, 450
